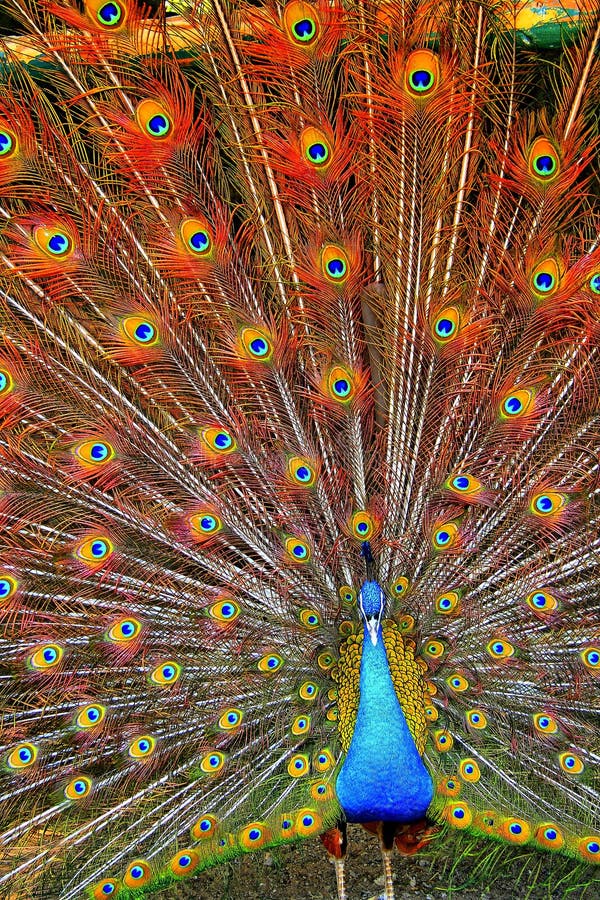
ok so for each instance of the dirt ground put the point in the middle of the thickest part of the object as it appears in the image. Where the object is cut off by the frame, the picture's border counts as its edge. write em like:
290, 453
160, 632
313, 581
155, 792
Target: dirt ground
303, 872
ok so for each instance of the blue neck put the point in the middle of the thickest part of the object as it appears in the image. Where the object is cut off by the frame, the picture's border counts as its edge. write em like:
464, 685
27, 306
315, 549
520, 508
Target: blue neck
382, 776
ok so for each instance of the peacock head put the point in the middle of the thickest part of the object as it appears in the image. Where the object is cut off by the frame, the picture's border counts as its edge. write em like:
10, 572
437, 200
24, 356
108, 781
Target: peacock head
371, 603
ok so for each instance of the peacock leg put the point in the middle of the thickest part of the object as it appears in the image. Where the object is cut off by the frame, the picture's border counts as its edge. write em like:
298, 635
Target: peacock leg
335, 842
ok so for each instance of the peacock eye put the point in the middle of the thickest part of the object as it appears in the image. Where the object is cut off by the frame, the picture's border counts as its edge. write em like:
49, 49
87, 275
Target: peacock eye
543, 160
53, 241
8, 143
594, 283
6, 382
446, 326
94, 452
110, 14
153, 119
304, 30
422, 73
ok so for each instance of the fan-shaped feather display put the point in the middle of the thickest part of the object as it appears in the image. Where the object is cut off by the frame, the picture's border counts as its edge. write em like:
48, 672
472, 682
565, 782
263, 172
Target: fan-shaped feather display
299, 436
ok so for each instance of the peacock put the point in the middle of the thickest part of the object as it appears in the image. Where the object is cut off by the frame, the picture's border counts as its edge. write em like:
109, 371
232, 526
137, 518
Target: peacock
300, 434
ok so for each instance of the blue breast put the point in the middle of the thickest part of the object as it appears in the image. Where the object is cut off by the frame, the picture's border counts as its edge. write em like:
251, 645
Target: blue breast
383, 776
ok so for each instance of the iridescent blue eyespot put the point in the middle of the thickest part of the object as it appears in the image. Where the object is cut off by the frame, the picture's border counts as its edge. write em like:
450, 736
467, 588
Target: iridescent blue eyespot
421, 80
336, 268
544, 281
99, 452
99, 549
303, 474
318, 153
445, 327
58, 243
304, 30
145, 332
50, 654
341, 387
544, 503
259, 346
6, 143
199, 241
513, 405
595, 283
458, 812
286, 824
461, 483
223, 440
109, 14
158, 125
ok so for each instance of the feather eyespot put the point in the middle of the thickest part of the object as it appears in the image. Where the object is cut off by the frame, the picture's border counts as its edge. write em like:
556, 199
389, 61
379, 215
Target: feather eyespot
347, 594
542, 601
459, 815
138, 874
224, 611
218, 440
204, 828
270, 663
8, 587
90, 716
458, 683
254, 835
399, 586
140, 331
46, 656
308, 690
591, 658
212, 762
309, 618
434, 649
166, 673
323, 761
298, 765
316, 148
363, 525
545, 723
445, 537
500, 649
325, 661
196, 237
517, 831
124, 630
8, 143
469, 770
108, 887
594, 283
549, 835
153, 120
589, 848
443, 740
422, 73
544, 163
545, 277
301, 22
6, 382
78, 788
476, 719
297, 550
142, 747
301, 725
110, 14
571, 763
53, 242
334, 264
94, 550
463, 484
230, 719
339, 385
301, 471
446, 326
256, 344
548, 503
517, 403
308, 822
23, 756
184, 862
447, 603
204, 525
94, 452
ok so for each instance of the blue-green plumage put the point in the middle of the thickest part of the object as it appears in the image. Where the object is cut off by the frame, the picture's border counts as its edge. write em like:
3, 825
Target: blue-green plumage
383, 776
